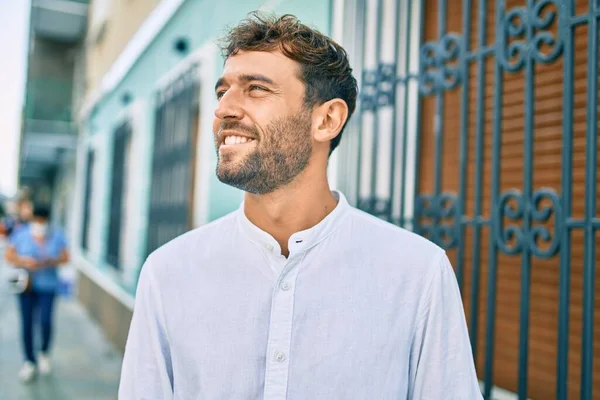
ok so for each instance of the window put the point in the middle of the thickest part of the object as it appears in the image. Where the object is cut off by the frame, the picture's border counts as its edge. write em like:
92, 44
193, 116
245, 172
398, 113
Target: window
174, 160
87, 200
121, 145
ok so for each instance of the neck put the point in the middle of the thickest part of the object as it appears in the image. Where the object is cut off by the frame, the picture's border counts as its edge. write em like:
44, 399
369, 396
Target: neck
294, 208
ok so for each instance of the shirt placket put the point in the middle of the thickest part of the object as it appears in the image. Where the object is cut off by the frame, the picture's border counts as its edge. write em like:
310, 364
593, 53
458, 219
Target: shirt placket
280, 333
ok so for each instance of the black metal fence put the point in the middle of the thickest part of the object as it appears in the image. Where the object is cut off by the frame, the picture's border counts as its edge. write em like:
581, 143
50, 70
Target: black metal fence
433, 149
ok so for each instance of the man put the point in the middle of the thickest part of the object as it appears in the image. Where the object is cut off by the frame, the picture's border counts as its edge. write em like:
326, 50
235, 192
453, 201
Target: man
40, 250
296, 295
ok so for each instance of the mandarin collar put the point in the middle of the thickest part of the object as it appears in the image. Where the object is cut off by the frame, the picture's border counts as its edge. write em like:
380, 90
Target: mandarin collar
299, 241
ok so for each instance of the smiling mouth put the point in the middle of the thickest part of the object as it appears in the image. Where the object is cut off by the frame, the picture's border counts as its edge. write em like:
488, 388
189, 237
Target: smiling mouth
231, 141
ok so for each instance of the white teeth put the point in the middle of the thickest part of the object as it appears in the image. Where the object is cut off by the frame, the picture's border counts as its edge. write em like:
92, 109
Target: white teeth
236, 140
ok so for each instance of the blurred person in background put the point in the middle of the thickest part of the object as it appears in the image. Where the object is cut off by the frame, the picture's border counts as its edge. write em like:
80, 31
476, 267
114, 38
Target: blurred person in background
297, 294
40, 250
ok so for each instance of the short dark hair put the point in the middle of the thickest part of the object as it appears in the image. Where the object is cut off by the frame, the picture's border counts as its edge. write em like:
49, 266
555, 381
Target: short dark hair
324, 66
41, 211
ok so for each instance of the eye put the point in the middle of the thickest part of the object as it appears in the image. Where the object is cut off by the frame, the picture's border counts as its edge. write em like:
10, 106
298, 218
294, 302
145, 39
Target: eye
256, 87
220, 93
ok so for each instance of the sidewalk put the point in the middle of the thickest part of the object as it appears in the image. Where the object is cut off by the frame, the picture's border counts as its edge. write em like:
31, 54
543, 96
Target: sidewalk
85, 365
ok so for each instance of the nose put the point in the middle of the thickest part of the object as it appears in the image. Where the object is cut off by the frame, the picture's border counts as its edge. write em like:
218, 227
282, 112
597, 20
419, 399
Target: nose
229, 107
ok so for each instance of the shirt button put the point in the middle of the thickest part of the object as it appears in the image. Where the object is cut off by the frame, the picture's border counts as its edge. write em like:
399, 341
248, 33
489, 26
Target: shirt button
286, 286
269, 247
280, 357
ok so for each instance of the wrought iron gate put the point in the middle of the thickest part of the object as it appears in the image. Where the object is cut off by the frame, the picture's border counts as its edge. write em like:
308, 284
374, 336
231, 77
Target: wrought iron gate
478, 128
173, 162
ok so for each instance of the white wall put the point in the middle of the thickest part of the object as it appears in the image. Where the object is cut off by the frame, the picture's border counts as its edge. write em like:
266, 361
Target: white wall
14, 34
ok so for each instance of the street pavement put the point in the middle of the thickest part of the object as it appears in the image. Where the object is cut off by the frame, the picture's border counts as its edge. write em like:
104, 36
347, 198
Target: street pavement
85, 365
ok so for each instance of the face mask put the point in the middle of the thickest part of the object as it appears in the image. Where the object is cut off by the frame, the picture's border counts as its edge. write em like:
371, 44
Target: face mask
38, 229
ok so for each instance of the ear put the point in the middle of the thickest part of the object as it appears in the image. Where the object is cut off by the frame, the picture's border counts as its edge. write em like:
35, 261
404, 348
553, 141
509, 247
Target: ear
329, 119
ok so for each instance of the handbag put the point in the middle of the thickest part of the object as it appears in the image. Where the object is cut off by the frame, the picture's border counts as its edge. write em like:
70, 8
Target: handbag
19, 280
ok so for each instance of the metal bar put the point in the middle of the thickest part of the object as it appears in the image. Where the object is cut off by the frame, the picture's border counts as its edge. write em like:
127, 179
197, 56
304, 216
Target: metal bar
591, 165
439, 110
406, 79
476, 221
375, 133
482, 51
575, 223
415, 218
581, 223
527, 195
87, 198
390, 215
360, 33
155, 193
494, 195
578, 20
479, 128
562, 361
442, 17
463, 146
405, 112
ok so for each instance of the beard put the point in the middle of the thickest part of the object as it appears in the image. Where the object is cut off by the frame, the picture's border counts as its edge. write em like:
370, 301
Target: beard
281, 156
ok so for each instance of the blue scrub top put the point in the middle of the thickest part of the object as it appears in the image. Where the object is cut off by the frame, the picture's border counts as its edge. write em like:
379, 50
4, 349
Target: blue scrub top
46, 279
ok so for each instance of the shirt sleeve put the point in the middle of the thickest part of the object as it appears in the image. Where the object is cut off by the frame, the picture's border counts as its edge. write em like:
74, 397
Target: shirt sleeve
61, 241
147, 371
441, 361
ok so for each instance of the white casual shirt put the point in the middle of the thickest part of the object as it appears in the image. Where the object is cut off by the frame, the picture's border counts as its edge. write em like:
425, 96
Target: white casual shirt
361, 309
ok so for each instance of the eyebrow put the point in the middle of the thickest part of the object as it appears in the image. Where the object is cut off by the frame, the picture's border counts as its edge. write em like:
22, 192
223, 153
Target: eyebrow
247, 78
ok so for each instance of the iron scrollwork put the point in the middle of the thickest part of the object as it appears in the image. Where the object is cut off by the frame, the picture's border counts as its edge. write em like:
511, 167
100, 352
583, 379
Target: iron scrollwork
379, 87
436, 71
369, 90
375, 206
515, 207
515, 24
436, 208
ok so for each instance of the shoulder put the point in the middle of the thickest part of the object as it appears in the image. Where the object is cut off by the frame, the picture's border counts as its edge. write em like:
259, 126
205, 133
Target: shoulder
186, 246
392, 252
377, 232
19, 235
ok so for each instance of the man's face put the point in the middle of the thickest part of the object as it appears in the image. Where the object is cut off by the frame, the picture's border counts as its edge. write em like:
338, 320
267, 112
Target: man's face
262, 129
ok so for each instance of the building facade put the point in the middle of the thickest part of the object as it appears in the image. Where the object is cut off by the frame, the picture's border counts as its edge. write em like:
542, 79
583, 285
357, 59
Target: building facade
476, 127
49, 134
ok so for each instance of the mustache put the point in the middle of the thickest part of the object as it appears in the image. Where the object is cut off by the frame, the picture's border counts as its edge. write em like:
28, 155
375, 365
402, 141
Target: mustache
238, 126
